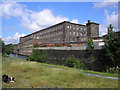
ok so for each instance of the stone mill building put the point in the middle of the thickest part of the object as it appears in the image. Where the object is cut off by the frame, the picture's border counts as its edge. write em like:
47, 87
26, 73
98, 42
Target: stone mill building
65, 32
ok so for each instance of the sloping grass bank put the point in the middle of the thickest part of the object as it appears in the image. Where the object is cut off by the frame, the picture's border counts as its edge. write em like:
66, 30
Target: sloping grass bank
80, 70
30, 74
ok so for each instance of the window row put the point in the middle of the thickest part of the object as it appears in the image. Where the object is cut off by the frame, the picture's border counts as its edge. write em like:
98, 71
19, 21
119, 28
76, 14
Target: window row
73, 27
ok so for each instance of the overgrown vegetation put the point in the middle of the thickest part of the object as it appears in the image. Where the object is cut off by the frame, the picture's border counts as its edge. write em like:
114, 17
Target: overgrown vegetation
90, 45
6, 49
38, 56
112, 50
9, 48
71, 61
2, 46
32, 75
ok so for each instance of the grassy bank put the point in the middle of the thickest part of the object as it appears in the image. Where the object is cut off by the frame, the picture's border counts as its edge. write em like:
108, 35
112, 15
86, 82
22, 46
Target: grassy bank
0, 57
30, 74
80, 70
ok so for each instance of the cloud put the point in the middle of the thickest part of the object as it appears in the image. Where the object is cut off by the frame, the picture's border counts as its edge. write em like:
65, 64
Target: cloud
103, 29
106, 3
109, 19
75, 21
31, 20
12, 9
42, 19
13, 39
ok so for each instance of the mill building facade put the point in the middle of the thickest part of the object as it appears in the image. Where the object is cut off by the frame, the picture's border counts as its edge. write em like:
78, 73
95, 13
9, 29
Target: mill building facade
64, 32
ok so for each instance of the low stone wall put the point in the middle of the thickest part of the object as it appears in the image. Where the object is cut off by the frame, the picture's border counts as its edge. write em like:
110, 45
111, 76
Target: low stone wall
92, 61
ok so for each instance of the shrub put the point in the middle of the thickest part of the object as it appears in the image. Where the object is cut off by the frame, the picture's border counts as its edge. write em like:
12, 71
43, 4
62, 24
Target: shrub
42, 57
71, 61
36, 45
57, 46
37, 56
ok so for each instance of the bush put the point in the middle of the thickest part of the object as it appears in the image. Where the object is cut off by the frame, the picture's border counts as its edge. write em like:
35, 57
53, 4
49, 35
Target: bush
37, 56
36, 45
57, 46
71, 61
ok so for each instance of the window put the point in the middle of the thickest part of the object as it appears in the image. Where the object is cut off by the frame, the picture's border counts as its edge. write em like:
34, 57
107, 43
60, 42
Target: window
74, 27
68, 27
74, 33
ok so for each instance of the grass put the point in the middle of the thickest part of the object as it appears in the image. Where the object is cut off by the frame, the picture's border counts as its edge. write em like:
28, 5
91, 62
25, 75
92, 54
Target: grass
80, 70
30, 74
0, 57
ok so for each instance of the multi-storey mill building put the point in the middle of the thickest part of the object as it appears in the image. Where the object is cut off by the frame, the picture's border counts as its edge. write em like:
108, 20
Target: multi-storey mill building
64, 32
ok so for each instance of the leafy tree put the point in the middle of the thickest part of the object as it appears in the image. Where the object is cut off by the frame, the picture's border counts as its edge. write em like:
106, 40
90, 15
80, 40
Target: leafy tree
9, 48
112, 48
2, 46
90, 46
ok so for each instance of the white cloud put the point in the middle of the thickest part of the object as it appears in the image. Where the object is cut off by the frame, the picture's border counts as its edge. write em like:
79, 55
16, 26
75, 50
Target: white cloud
12, 9
42, 19
13, 39
109, 19
30, 20
103, 29
112, 19
75, 21
106, 3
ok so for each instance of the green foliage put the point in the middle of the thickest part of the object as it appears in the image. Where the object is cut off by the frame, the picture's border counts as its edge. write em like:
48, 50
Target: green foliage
90, 46
112, 48
6, 49
2, 46
38, 56
9, 48
43, 56
57, 46
71, 61
36, 45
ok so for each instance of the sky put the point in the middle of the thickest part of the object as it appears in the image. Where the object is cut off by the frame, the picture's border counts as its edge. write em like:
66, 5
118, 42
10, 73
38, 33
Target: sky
22, 18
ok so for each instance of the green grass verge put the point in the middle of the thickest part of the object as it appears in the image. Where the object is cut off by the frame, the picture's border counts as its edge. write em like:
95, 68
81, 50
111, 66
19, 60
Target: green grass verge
0, 57
80, 70
30, 74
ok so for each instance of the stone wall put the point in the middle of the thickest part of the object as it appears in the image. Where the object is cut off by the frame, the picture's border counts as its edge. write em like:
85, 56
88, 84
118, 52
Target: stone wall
92, 61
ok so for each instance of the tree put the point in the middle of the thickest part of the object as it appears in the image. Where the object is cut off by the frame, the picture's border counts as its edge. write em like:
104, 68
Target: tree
2, 46
112, 48
9, 48
90, 46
